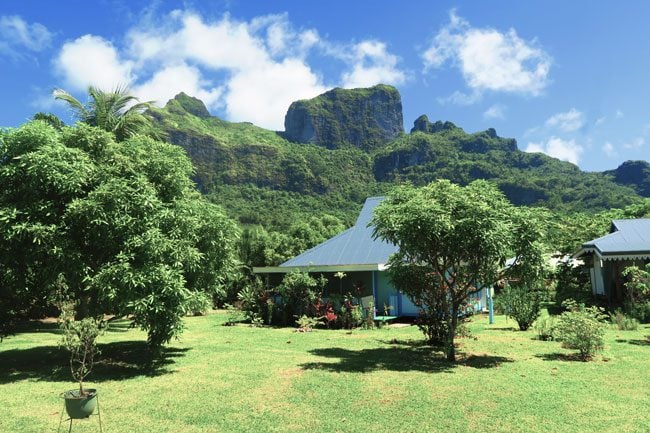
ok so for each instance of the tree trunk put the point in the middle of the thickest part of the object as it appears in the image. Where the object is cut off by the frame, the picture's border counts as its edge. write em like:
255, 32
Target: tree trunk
451, 349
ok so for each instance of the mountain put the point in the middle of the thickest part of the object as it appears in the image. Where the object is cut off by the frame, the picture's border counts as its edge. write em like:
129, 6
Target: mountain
357, 148
635, 174
363, 118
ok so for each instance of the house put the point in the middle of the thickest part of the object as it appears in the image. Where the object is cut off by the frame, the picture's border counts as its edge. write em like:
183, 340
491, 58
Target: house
627, 244
363, 260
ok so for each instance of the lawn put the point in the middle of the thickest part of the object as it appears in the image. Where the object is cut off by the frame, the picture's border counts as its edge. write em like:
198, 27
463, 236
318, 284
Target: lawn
243, 379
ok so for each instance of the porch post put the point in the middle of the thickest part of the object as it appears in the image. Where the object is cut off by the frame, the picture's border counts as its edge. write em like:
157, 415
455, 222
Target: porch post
374, 294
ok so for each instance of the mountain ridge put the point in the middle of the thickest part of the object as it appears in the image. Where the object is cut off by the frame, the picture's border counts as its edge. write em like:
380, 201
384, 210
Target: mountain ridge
260, 177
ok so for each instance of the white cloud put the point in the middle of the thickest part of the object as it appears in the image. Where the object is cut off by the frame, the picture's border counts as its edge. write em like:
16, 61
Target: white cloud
619, 114
566, 150
17, 35
460, 98
608, 149
252, 70
171, 80
637, 143
92, 61
489, 59
372, 64
600, 120
569, 121
262, 95
496, 111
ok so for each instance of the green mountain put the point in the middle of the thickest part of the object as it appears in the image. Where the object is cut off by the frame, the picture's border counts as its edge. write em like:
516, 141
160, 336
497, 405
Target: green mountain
355, 147
635, 174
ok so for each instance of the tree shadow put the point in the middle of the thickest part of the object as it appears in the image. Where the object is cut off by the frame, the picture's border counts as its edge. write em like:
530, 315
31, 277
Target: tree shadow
116, 361
37, 326
507, 329
645, 342
557, 356
406, 357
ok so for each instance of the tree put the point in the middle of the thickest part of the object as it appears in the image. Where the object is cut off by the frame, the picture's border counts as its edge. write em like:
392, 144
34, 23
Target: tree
118, 227
451, 240
116, 111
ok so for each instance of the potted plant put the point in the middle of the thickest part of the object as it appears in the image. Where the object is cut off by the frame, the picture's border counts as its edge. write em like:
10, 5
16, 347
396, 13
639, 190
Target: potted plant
80, 339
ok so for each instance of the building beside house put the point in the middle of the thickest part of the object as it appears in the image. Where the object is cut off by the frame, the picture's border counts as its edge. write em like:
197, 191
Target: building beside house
627, 244
363, 260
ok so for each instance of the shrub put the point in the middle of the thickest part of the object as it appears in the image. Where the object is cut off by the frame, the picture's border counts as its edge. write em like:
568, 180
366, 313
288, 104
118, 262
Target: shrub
198, 304
545, 327
299, 292
572, 282
624, 322
80, 339
522, 304
233, 315
581, 328
306, 323
639, 310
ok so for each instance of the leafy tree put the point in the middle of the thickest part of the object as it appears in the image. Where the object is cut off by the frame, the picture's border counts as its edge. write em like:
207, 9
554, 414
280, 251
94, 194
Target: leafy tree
453, 239
117, 226
116, 111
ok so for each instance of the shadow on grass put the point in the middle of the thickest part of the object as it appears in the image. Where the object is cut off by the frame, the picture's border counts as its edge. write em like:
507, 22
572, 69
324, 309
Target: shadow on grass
557, 356
37, 326
118, 360
406, 357
507, 329
645, 342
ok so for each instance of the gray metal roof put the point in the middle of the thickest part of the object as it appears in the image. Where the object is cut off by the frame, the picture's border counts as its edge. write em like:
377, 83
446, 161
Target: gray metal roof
355, 246
627, 237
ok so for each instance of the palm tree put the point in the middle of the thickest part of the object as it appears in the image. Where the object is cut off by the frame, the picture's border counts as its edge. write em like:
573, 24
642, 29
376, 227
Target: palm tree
116, 111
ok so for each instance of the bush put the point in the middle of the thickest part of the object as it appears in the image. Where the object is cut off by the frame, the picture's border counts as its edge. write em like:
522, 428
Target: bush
581, 328
639, 310
522, 304
624, 322
198, 304
299, 293
233, 315
545, 327
306, 323
572, 283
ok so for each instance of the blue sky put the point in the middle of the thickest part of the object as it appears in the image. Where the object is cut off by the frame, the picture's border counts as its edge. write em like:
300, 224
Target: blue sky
566, 78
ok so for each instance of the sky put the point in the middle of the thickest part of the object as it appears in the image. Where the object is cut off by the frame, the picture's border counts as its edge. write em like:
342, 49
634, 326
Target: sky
569, 79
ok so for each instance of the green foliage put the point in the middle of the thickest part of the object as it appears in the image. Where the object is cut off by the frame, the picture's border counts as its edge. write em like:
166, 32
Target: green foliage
115, 111
581, 328
299, 292
50, 119
80, 339
451, 239
306, 323
234, 315
119, 225
262, 179
623, 322
545, 328
522, 303
198, 304
639, 310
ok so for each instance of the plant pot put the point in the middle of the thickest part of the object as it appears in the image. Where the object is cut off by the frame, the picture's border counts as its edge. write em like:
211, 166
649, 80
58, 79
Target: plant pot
79, 407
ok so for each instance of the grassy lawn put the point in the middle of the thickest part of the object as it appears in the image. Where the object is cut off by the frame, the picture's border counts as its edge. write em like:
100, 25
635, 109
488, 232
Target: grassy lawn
242, 379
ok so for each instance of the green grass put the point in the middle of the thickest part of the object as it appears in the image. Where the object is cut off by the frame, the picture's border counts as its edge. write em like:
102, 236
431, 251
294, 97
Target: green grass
242, 379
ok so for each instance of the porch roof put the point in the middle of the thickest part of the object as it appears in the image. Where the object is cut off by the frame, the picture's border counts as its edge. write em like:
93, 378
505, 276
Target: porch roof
628, 239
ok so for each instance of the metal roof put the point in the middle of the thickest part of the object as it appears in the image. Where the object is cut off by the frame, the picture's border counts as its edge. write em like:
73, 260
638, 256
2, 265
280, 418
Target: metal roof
354, 246
628, 237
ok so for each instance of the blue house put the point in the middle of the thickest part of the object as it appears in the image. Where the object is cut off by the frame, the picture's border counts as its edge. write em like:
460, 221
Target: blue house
627, 244
363, 260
